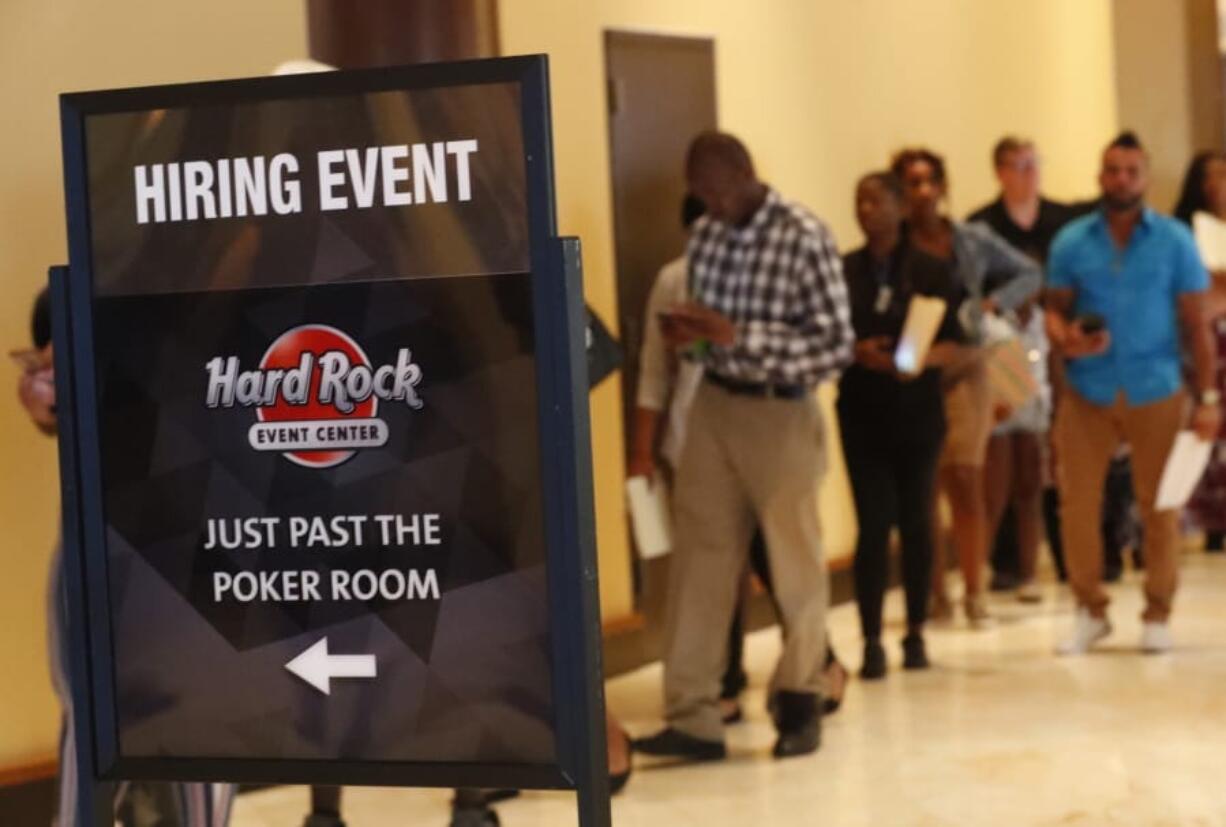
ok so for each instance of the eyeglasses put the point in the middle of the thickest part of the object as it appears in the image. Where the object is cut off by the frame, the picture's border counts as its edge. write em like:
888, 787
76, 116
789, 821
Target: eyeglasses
1027, 165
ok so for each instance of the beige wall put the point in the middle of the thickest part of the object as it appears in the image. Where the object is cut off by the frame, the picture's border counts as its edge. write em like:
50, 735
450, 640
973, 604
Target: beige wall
1152, 85
1168, 83
821, 92
47, 48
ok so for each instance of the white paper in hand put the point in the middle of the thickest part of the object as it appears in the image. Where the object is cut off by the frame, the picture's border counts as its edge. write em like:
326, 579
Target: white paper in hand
924, 316
1210, 233
649, 517
1184, 468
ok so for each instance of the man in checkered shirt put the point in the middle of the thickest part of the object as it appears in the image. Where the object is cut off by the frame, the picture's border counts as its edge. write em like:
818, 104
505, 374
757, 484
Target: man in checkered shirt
770, 321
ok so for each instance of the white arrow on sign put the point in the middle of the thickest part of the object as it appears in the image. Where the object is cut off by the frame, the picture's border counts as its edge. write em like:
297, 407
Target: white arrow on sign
318, 668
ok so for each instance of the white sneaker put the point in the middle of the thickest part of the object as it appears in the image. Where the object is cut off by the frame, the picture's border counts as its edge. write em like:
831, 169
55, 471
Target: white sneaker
1156, 638
1087, 630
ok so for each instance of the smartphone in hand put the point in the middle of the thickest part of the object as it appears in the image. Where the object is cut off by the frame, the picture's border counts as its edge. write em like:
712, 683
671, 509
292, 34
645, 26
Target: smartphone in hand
1091, 323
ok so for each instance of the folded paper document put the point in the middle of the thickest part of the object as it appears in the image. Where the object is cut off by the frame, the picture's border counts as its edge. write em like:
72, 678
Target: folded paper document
1210, 235
1184, 467
649, 518
924, 316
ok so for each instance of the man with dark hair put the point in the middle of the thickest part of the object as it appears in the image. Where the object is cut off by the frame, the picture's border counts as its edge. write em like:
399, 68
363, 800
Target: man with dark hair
720, 148
1127, 140
768, 319
1125, 284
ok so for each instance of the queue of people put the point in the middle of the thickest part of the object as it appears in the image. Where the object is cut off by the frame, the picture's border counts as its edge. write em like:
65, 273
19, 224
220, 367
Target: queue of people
1103, 299
1122, 325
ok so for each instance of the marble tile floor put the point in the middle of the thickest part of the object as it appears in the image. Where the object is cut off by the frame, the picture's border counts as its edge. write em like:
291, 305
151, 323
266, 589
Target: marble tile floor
1000, 732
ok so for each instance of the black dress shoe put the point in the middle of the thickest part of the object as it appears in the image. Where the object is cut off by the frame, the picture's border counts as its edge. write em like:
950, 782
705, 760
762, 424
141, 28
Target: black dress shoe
673, 743
836, 685
914, 653
471, 808
798, 718
475, 817
323, 820
874, 666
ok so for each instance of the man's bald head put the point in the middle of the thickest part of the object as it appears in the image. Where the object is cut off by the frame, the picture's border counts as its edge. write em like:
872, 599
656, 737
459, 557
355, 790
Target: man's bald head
720, 172
718, 148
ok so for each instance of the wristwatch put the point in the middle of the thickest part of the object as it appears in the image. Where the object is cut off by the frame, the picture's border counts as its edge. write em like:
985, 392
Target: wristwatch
1212, 396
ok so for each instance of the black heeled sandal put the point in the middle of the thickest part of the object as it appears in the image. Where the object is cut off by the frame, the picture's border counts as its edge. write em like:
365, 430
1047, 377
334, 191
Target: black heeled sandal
619, 780
833, 700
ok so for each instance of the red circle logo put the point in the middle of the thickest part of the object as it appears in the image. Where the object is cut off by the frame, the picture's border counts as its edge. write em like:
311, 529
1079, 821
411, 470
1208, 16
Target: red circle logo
286, 353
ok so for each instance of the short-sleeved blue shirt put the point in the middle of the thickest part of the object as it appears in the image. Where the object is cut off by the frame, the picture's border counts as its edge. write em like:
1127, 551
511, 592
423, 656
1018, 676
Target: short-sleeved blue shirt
1136, 289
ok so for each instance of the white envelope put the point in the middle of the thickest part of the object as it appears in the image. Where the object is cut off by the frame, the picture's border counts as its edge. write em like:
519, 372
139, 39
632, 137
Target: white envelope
924, 316
1184, 467
1210, 235
649, 517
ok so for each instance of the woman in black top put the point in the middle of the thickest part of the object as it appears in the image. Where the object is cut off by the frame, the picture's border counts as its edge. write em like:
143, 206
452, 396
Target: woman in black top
892, 424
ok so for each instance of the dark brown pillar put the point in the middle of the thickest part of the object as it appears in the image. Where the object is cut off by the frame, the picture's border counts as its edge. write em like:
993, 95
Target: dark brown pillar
361, 34
356, 34
1205, 75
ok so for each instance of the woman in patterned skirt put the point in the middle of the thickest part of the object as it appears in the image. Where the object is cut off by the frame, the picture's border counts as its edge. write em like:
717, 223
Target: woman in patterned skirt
1202, 205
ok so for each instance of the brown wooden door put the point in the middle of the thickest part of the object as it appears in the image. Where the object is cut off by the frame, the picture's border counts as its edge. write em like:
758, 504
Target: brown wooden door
661, 94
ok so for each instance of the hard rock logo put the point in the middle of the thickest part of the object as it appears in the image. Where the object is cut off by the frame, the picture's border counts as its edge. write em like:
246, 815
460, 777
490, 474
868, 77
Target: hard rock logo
315, 394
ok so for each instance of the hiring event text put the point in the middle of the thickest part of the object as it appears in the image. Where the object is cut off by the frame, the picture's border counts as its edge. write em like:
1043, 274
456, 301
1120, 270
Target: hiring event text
377, 176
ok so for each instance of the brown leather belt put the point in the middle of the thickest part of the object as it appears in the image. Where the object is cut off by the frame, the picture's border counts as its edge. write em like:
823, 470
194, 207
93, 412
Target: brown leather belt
762, 390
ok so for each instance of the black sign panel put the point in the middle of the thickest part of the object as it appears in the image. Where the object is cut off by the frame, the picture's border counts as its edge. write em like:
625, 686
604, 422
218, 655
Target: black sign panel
330, 432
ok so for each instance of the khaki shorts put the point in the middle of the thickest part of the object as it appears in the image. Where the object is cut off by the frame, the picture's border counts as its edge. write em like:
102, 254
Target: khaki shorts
968, 418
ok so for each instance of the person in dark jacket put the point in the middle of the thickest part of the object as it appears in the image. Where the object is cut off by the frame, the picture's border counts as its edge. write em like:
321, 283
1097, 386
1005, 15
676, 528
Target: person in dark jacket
892, 423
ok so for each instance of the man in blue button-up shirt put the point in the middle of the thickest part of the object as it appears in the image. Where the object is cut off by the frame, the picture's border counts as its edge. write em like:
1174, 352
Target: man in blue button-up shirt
1126, 291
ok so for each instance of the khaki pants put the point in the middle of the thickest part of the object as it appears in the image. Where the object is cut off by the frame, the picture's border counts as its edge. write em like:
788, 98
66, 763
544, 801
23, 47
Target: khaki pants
745, 459
1085, 437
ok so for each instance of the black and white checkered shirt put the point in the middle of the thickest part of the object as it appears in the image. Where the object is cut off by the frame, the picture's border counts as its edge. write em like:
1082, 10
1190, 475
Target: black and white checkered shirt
780, 280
